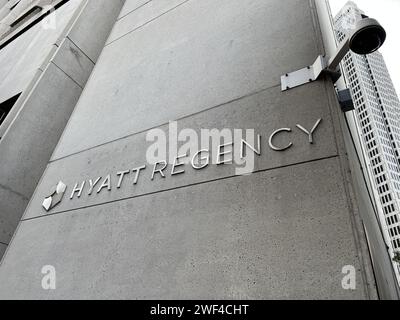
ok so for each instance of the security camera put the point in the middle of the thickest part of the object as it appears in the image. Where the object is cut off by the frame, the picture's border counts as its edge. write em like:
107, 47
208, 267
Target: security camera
367, 37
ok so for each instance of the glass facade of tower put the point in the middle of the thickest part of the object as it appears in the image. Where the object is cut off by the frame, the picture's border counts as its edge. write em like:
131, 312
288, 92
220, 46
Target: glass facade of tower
377, 109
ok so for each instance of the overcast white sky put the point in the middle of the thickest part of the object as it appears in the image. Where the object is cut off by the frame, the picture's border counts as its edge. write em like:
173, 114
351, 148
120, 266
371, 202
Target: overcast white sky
387, 12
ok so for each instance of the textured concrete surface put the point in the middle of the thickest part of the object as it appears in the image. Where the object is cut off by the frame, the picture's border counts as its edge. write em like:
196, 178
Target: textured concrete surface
11, 202
143, 13
40, 126
100, 15
73, 62
130, 6
3, 248
164, 69
220, 239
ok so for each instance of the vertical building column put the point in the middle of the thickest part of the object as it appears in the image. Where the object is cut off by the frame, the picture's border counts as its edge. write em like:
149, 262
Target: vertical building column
43, 110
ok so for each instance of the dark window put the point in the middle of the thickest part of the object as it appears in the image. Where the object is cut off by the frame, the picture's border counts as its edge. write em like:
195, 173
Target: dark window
27, 15
6, 106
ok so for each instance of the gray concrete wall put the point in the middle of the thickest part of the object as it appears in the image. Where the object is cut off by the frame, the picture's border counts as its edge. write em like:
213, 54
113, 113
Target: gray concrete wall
52, 81
285, 231
3, 248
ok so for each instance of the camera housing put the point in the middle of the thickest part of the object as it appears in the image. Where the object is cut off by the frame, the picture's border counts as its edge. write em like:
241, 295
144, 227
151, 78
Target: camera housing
367, 37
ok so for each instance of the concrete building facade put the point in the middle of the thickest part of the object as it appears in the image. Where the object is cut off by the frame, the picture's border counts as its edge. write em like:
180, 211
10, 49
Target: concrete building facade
45, 64
113, 225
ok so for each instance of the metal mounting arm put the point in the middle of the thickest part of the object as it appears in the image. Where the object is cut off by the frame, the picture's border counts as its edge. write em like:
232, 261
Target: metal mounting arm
313, 72
334, 62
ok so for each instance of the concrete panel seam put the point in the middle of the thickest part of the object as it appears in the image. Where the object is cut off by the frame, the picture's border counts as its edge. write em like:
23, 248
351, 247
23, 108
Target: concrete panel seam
127, 14
146, 23
74, 19
178, 188
163, 124
67, 75
83, 52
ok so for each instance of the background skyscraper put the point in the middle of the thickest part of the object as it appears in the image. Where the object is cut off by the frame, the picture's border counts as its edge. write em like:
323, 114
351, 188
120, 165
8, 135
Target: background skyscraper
378, 116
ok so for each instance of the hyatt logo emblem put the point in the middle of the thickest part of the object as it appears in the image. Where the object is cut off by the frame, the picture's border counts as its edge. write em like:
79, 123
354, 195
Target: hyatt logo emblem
55, 198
